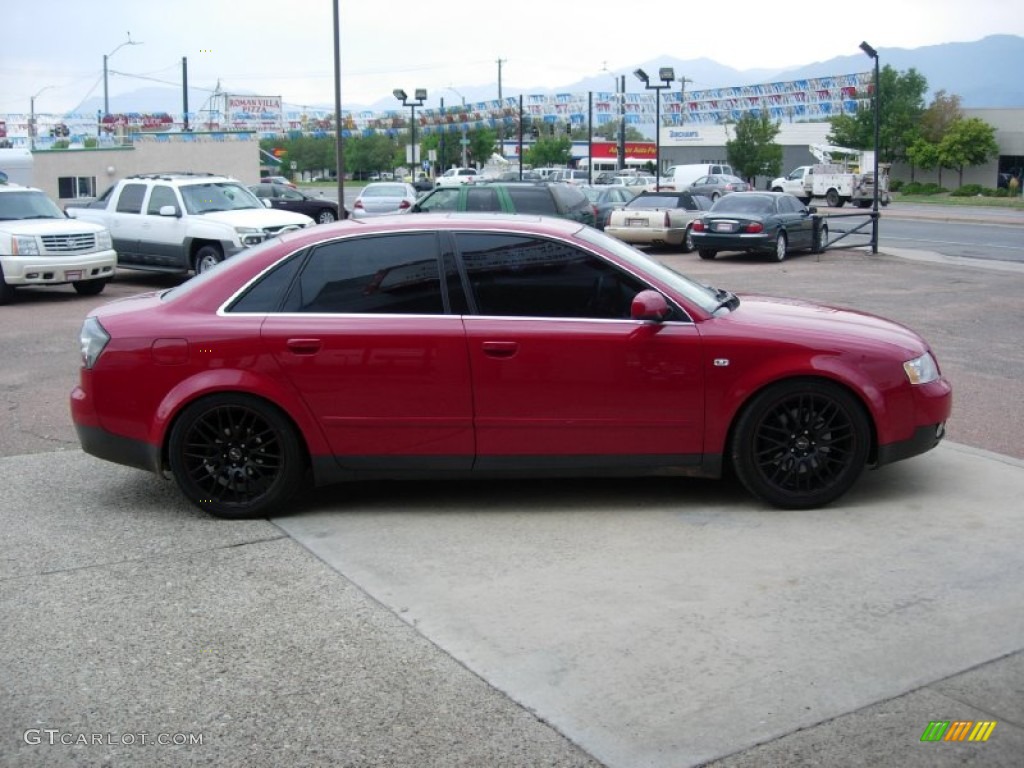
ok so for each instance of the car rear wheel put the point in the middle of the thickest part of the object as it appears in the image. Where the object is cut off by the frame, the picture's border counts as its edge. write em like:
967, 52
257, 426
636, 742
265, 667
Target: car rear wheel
707, 254
89, 287
780, 247
801, 444
821, 239
832, 198
208, 257
688, 241
714, 196
235, 456
325, 217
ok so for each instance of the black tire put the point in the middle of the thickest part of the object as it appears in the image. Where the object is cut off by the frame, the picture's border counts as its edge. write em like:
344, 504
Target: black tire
832, 198
207, 257
801, 444
805, 200
714, 197
821, 239
780, 247
89, 287
864, 203
6, 291
707, 254
235, 456
776, 189
325, 217
688, 241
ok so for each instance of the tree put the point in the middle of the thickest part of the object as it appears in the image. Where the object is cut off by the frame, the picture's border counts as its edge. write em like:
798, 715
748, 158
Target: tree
754, 152
610, 131
481, 145
969, 141
549, 150
924, 154
940, 115
902, 105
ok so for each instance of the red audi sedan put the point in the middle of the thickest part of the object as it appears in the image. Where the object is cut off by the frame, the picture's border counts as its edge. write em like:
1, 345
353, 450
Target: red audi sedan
435, 345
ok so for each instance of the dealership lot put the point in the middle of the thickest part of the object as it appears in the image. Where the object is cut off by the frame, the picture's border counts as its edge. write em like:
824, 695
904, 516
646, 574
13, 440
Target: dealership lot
630, 622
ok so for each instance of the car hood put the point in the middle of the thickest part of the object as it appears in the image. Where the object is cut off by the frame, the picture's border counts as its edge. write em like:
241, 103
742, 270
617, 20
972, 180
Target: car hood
48, 226
257, 218
807, 323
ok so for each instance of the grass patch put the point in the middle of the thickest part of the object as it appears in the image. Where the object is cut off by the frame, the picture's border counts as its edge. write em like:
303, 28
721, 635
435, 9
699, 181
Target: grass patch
945, 199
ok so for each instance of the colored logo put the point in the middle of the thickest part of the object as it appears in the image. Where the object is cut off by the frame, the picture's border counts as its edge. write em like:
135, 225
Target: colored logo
958, 730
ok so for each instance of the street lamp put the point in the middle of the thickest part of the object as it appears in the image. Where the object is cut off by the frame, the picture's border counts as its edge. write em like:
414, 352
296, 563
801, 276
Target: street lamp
32, 117
106, 101
421, 96
872, 53
667, 75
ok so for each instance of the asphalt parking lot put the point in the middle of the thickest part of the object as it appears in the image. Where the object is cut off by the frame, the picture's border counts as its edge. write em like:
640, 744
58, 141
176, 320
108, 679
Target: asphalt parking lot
561, 623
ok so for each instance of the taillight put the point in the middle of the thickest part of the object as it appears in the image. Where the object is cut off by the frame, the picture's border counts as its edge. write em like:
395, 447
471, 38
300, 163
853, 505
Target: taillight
697, 226
754, 227
404, 204
358, 204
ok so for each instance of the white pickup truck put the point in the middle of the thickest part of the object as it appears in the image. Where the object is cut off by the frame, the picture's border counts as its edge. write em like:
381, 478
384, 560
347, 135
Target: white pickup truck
833, 180
177, 222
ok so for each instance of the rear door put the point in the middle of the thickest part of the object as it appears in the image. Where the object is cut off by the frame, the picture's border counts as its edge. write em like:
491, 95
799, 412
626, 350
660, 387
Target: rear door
366, 339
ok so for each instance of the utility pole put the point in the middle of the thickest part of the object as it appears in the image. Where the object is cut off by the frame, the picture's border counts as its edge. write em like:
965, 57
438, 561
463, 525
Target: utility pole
682, 98
621, 164
501, 109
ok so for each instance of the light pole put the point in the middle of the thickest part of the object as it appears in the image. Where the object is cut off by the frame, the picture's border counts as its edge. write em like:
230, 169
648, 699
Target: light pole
421, 96
667, 75
106, 100
871, 52
464, 142
32, 117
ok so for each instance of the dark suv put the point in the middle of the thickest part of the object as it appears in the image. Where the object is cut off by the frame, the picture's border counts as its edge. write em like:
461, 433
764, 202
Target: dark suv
543, 198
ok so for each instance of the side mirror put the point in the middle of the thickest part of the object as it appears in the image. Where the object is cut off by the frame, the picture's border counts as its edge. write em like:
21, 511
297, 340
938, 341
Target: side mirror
169, 210
649, 305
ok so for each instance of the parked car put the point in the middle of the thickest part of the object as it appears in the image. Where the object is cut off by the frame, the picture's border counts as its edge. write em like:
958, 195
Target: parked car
320, 210
454, 177
283, 180
40, 246
658, 219
765, 222
717, 185
381, 198
570, 176
422, 183
537, 197
605, 199
406, 345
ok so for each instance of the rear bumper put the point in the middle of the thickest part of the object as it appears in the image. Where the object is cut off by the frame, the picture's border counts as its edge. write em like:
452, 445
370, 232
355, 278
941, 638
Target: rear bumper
99, 442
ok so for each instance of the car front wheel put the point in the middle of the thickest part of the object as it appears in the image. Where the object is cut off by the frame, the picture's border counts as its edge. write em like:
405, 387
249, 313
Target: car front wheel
325, 217
208, 257
235, 456
688, 241
801, 444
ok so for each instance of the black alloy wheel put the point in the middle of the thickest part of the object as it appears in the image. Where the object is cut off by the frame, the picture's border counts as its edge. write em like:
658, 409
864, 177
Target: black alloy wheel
235, 456
801, 444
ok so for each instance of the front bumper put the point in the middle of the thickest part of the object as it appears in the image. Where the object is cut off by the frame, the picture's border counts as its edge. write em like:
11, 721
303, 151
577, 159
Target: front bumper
57, 270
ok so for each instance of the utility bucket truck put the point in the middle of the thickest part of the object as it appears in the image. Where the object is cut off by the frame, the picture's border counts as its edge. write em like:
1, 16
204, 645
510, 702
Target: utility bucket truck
841, 175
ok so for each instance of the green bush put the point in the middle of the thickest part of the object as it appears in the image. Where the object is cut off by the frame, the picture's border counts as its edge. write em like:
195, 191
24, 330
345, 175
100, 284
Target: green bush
968, 190
895, 185
1000, 193
917, 188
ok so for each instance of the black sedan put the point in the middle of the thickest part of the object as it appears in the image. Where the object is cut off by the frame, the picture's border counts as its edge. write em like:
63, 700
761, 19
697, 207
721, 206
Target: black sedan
762, 222
605, 198
322, 211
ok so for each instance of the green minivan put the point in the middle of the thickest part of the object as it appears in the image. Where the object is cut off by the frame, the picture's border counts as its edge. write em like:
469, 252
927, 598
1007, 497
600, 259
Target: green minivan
539, 198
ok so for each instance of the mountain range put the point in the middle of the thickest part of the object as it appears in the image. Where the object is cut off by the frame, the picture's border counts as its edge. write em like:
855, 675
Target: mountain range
979, 72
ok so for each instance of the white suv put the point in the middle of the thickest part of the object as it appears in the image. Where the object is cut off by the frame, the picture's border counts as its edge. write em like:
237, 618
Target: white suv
453, 177
39, 245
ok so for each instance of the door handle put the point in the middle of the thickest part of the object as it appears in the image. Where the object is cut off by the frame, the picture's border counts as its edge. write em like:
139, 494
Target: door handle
500, 348
304, 346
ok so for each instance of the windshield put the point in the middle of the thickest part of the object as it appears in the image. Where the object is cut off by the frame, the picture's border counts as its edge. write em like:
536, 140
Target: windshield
218, 196
705, 297
30, 204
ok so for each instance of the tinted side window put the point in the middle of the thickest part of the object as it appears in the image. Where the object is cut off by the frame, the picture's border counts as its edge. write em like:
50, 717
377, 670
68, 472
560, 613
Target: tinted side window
522, 276
569, 197
532, 200
390, 274
444, 199
160, 196
267, 293
789, 205
482, 199
130, 200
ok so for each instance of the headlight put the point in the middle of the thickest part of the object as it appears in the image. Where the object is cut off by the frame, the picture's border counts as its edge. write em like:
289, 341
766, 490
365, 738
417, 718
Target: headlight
26, 245
103, 241
250, 235
921, 370
93, 338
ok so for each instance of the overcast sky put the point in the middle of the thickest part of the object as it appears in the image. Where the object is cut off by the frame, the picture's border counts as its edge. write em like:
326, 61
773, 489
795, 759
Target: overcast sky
53, 49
